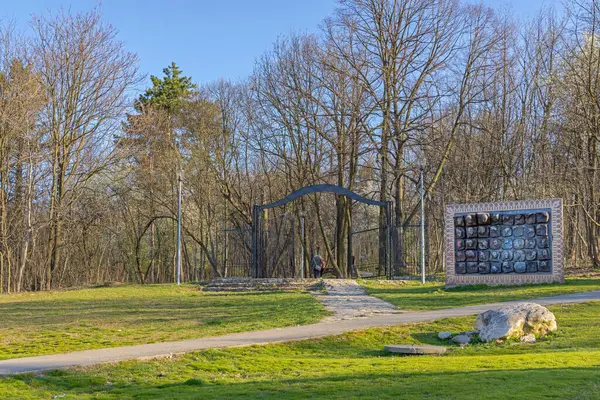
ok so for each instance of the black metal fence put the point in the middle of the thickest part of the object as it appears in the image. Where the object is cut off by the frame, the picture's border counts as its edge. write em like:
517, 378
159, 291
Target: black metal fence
238, 253
279, 247
282, 252
407, 253
368, 253
411, 255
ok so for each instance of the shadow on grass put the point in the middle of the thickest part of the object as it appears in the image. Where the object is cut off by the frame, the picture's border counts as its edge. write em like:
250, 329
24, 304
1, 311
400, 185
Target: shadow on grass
27, 314
429, 296
430, 338
569, 282
429, 288
564, 383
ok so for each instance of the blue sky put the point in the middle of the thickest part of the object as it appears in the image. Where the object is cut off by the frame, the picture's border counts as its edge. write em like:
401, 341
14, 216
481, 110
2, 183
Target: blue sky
209, 39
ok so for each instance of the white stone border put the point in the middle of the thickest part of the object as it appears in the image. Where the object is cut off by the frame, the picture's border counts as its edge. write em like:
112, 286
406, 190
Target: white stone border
556, 222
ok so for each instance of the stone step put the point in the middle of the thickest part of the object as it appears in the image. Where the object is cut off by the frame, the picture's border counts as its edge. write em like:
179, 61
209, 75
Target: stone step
256, 285
249, 284
226, 289
243, 285
265, 281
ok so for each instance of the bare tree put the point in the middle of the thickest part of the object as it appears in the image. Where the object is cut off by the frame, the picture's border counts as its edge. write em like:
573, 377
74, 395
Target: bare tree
86, 73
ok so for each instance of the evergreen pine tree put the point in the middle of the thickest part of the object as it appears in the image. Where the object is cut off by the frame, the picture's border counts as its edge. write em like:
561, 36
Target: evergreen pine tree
168, 94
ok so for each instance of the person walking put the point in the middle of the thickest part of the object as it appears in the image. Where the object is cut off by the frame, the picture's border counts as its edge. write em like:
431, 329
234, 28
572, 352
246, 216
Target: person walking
317, 264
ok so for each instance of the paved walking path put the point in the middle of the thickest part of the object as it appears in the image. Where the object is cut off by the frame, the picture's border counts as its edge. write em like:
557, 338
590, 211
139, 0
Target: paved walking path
347, 299
89, 357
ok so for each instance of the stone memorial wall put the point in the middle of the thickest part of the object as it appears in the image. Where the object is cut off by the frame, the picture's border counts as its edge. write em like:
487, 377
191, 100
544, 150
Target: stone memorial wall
504, 243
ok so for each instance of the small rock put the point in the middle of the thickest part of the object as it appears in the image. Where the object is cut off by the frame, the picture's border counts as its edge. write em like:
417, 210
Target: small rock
461, 339
445, 335
529, 339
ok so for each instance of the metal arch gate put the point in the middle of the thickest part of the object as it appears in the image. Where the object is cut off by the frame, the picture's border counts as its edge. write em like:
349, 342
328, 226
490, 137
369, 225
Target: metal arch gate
257, 269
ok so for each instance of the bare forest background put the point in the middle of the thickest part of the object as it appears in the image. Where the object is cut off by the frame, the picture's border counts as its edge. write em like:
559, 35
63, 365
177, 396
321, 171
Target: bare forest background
489, 106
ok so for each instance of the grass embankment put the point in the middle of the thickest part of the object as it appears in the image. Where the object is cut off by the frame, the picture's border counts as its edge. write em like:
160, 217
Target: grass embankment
63, 321
413, 295
564, 365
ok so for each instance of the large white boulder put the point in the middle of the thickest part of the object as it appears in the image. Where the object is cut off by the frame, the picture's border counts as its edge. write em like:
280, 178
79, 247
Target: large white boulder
515, 321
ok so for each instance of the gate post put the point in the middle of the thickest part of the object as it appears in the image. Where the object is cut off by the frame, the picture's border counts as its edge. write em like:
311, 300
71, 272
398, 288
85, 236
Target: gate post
350, 273
388, 239
255, 222
422, 192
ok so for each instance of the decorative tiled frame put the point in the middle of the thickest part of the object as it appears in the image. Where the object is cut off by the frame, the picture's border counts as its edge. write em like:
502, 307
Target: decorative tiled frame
557, 275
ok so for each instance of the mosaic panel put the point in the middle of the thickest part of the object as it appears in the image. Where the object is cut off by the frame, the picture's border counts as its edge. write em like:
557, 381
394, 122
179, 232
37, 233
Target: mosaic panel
504, 243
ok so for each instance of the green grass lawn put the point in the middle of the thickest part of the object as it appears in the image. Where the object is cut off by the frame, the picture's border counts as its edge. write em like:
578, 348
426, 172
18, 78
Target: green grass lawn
413, 295
564, 365
63, 321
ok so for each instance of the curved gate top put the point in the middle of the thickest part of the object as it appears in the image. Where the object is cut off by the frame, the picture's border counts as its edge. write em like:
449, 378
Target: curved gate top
321, 188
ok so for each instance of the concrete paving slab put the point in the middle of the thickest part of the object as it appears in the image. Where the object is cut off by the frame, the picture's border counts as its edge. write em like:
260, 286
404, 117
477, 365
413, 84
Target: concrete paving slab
412, 349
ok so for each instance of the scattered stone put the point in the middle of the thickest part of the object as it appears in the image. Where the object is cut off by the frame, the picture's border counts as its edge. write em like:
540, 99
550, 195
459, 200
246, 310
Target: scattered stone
529, 339
515, 321
445, 335
461, 339
414, 349
261, 284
